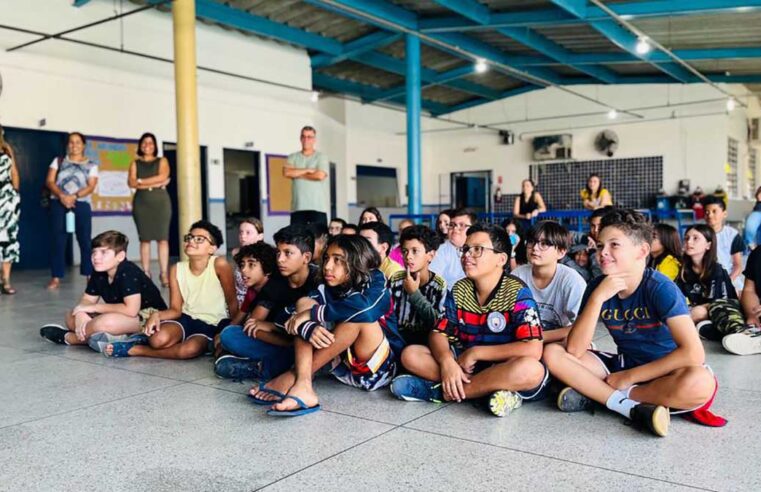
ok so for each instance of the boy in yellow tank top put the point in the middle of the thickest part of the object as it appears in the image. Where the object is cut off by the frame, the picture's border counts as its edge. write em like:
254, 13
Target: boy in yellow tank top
201, 301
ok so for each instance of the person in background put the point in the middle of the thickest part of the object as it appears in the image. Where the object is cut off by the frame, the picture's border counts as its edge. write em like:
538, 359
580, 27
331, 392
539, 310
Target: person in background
593, 195
370, 214
336, 226
514, 229
250, 231
381, 237
151, 205
350, 230
308, 169
729, 243
752, 223
442, 224
396, 251
529, 204
321, 236
665, 251
10, 211
71, 180
447, 260
589, 265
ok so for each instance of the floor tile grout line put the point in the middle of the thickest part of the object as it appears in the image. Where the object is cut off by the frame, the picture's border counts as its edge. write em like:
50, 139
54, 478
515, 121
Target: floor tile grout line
554, 458
94, 405
327, 458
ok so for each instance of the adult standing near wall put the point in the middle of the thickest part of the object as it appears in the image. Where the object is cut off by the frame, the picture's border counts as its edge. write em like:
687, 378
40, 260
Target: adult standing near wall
71, 180
528, 204
151, 205
309, 171
10, 210
593, 195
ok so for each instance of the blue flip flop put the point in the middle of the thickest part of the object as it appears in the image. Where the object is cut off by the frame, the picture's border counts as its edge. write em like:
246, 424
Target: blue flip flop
302, 410
269, 391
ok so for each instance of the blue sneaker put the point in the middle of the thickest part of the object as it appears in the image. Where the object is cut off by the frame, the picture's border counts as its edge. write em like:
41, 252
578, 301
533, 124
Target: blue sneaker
237, 368
413, 388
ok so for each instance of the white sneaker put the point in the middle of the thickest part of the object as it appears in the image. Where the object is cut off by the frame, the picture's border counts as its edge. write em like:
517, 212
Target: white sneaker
746, 342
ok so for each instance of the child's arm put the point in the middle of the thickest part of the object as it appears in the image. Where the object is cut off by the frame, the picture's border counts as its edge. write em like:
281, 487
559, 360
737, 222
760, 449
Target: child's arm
130, 307
583, 329
688, 353
225, 276
366, 306
427, 313
175, 305
750, 303
500, 353
86, 304
737, 265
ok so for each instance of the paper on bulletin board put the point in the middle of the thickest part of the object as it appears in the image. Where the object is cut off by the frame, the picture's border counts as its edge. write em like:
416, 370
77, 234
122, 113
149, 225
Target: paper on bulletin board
279, 188
113, 156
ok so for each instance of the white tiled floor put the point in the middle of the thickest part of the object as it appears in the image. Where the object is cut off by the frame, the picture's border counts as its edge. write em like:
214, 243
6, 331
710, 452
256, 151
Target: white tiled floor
71, 419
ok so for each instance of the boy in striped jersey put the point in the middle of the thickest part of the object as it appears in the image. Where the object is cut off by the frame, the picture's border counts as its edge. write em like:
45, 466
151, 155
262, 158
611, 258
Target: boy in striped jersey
417, 292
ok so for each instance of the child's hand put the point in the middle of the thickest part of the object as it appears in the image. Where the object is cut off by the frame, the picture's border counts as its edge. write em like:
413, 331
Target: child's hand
620, 380
152, 325
411, 281
591, 244
81, 331
321, 338
296, 320
83, 308
452, 379
610, 286
467, 361
250, 327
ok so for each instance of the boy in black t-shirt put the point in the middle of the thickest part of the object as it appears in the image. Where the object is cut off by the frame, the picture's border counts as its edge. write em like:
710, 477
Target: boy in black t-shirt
261, 348
748, 342
128, 295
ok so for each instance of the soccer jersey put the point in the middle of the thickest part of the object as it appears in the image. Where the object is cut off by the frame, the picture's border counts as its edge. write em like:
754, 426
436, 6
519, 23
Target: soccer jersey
638, 323
417, 313
509, 315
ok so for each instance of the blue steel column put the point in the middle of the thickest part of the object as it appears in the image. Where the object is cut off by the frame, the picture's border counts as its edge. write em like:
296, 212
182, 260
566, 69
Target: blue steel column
414, 194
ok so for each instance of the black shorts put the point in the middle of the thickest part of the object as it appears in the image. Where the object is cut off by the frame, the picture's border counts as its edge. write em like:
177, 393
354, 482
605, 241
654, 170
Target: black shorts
192, 327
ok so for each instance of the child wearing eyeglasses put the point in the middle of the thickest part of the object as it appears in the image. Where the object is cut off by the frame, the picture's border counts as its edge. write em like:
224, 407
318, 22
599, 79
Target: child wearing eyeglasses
201, 301
488, 345
557, 289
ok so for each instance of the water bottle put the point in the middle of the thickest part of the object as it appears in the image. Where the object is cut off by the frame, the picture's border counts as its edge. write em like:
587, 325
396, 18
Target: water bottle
70, 221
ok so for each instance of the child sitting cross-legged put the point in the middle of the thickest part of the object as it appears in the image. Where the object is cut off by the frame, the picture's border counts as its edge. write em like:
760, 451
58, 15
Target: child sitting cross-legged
714, 306
417, 292
660, 360
488, 344
361, 341
201, 301
129, 297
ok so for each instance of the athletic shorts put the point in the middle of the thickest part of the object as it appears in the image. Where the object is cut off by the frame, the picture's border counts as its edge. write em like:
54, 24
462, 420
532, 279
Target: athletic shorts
537, 393
369, 375
614, 362
192, 327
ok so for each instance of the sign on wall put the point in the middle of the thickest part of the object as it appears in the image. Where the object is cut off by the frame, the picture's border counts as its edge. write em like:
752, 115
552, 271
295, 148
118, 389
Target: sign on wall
113, 156
279, 188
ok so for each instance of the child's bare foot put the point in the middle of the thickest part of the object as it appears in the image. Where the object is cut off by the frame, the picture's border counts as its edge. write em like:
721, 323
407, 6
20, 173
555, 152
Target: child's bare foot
301, 390
281, 384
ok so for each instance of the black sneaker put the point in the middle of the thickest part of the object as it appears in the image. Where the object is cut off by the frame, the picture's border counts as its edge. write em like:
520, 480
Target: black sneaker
54, 333
237, 368
655, 418
570, 400
708, 331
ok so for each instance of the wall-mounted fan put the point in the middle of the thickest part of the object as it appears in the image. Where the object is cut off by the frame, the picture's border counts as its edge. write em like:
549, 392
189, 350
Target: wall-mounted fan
607, 142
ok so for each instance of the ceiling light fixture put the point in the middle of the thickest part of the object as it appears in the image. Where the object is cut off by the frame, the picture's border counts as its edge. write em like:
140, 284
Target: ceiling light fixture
612, 114
731, 104
481, 66
643, 47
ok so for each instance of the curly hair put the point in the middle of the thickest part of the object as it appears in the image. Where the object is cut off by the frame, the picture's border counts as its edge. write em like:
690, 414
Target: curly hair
632, 223
213, 231
264, 253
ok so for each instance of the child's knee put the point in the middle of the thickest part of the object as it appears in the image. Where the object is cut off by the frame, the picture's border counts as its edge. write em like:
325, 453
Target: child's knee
696, 384
552, 353
411, 356
229, 334
191, 350
161, 340
305, 303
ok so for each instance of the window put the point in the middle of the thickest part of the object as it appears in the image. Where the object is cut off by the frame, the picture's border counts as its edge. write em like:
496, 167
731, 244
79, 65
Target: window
377, 186
731, 167
752, 171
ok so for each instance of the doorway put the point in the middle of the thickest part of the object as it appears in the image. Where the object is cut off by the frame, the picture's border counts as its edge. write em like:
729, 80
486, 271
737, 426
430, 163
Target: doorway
242, 190
35, 150
472, 190
170, 152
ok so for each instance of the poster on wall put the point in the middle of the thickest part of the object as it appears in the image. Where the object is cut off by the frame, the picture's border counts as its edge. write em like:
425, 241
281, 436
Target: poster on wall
113, 156
279, 188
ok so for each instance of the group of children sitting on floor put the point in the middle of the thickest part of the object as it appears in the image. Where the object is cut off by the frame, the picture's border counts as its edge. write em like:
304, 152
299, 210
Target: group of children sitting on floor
450, 323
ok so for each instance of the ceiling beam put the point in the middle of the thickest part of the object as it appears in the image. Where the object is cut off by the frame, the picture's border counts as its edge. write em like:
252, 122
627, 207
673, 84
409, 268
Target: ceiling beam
357, 47
478, 102
622, 38
554, 17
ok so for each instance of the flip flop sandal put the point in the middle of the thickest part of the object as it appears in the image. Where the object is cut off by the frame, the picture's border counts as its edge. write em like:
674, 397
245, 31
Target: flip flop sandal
269, 391
303, 409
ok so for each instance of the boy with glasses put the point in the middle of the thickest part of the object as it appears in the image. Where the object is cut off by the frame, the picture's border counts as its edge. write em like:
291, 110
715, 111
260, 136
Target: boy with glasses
447, 260
557, 289
489, 343
202, 300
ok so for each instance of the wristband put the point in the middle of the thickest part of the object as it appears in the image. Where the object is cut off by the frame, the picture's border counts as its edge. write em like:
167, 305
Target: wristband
306, 329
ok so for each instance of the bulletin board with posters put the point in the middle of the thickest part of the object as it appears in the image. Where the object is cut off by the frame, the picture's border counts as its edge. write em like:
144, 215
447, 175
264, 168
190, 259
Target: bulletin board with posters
113, 195
279, 188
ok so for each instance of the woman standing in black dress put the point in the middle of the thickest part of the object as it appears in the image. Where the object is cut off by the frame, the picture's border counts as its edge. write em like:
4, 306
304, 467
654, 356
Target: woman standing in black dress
528, 204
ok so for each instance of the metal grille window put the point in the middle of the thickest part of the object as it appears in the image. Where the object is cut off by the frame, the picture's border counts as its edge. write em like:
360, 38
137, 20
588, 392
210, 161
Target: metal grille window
731, 167
752, 171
